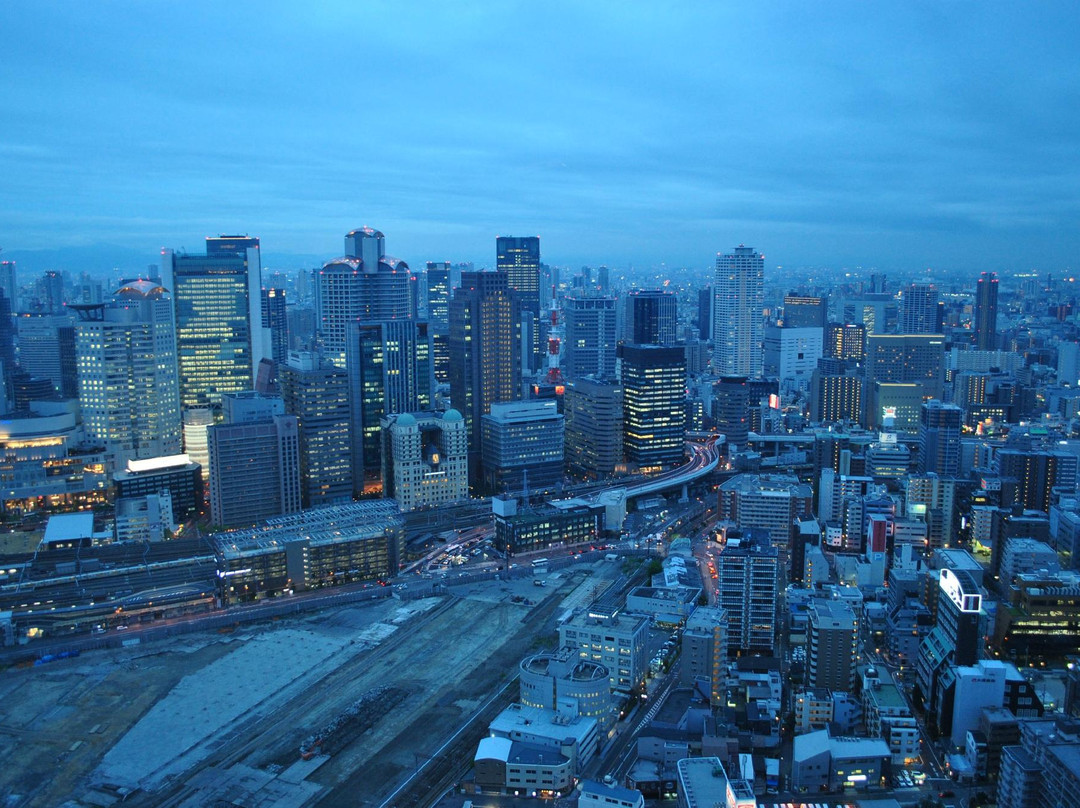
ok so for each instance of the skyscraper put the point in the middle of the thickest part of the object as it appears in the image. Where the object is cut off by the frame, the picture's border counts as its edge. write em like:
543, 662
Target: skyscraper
485, 363
519, 258
438, 295
737, 313
705, 313
275, 321
317, 392
217, 305
939, 438
805, 311
986, 293
8, 283
747, 572
126, 361
390, 371
364, 285
919, 310
650, 317
594, 419
589, 347
654, 396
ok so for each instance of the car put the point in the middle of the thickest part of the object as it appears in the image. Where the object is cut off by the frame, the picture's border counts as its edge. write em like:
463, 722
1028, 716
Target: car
946, 793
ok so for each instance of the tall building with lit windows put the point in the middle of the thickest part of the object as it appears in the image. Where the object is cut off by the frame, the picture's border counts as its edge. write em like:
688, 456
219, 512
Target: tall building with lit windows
439, 289
986, 295
738, 312
364, 285
589, 346
276, 322
217, 304
920, 309
485, 362
519, 258
126, 364
654, 397
650, 317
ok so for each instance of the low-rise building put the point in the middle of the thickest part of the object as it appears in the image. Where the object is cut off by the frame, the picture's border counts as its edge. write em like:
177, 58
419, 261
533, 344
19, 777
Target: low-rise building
662, 604
821, 762
603, 795
576, 737
525, 528
612, 639
512, 766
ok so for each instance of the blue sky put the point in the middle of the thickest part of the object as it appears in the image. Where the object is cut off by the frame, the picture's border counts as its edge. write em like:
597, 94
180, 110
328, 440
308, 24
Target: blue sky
893, 135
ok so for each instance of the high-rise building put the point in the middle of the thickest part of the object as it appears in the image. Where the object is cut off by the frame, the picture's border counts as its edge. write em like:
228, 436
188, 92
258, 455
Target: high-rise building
847, 341
52, 293
650, 317
933, 499
365, 285
738, 313
704, 651
734, 399
196, 444
747, 571
902, 359
485, 363
920, 310
217, 306
654, 396
275, 320
954, 640
705, 313
589, 346
836, 393
1030, 477
791, 355
805, 311
594, 427
438, 287
425, 459
522, 446
9, 283
390, 371
519, 258
833, 640
939, 438
254, 461
126, 360
317, 392
986, 294
47, 350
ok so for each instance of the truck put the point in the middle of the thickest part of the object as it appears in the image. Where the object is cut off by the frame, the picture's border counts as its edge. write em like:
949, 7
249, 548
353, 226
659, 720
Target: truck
772, 775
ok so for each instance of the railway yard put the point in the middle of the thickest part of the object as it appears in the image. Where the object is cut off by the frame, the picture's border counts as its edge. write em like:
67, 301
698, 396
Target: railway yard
349, 706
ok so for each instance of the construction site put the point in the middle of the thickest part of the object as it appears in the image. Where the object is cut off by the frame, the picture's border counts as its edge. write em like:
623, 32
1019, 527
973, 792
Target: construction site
351, 706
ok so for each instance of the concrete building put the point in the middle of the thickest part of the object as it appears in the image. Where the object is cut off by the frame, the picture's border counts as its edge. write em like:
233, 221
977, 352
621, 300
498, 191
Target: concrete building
919, 309
987, 683
1041, 616
593, 411
933, 500
791, 355
563, 682
820, 762
522, 446
590, 338
526, 528
425, 459
654, 396
888, 716
704, 648
1023, 555
747, 574
602, 795
702, 782
144, 519
576, 737
939, 438
321, 547
738, 313
669, 605
836, 393
984, 320
833, 645
611, 639
176, 474
906, 359
513, 767
769, 502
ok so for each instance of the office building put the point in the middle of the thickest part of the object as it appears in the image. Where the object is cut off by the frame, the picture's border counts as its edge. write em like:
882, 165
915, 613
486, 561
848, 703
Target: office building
832, 645
593, 412
654, 395
845, 341
734, 400
501, 765
986, 307
47, 351
437, 277
177, 474
932, 499
765, 502
617, 641
522, 446
1041, 617
954, 640
9, 283
390, 371
702, 783
561, 681
916, 359
1029, 477
317, 392
705, 313
425, 459
836, 393
523, 528
704, 651
805, 311
650, 317
217, 307
254, 461
738, 313
126, 360
365, 285
312, 549
939, 438
485, 364
791, 355
820, 762
590, 337
577, 738
920, 311
275, 321
747, 574
147, 518
519, 258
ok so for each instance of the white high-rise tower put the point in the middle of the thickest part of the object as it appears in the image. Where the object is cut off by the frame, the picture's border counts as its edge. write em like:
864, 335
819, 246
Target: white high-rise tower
737, 313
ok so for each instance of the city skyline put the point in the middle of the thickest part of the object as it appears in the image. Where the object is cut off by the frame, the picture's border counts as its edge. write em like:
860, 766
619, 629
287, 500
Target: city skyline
912, 137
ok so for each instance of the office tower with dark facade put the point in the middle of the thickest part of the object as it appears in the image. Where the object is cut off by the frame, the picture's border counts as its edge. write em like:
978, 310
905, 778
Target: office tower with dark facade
1028, 478
654, 396
217, 304
594, 426
47, 350
986, 307
485, 362
9, 283
939, 438
589, 346
254, 461
439, 289
275, 320
734, 400
126, 360
317, 392
920, 310
390, 371
845, 341
522, 446
364, 285
650, 317
805, 311
902, 359
737, 313
705, 313
519, 258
